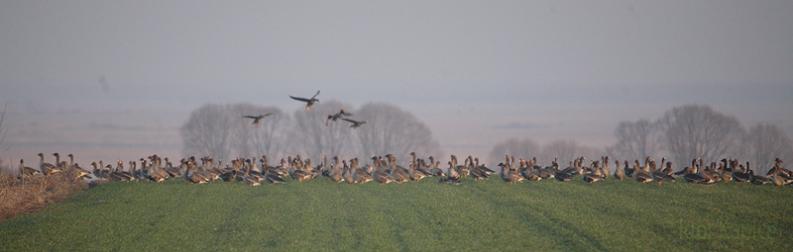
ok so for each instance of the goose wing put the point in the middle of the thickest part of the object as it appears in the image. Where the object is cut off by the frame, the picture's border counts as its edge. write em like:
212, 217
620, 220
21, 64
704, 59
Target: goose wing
299, 99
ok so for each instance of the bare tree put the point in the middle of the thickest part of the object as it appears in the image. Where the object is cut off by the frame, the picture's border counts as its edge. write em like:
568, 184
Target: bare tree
567, 150
390, 129
314, 139
220, 131
693, 131
208, 132
266, 137
525, 148
636, 140
764, 143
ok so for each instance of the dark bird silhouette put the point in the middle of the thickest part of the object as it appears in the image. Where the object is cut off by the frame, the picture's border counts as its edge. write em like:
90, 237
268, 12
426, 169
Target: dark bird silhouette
258, 118
309, 102
354, 123
337, 116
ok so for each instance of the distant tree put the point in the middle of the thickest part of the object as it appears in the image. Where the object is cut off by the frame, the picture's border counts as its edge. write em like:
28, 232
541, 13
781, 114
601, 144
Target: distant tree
693, 131
764, 143
389, 129
314, 139
524, 148
636, 140
267, 137
221, 132
567, 150
208, 132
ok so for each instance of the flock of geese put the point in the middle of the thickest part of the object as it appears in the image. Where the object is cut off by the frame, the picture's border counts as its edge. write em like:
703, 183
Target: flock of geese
310, 102
385, 169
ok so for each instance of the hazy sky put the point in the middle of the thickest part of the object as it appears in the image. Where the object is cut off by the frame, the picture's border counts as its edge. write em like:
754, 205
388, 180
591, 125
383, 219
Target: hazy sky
115, 79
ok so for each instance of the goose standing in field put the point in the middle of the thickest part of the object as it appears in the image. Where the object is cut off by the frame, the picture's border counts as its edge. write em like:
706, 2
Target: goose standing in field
25, 171
435, 167
642, 175
380, 174
309, 101
47, 168
335, 173
757, 179
257, 118
359, 174
192, 176
619, 173
780, 175
595, 175
398, 173
353, 123
337, 116
452, 176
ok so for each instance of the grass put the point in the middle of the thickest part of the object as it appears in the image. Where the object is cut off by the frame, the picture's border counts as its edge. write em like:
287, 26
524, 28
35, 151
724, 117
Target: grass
425, 216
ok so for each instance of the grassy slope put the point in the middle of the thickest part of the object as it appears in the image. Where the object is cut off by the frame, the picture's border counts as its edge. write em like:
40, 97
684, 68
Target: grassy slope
481, 216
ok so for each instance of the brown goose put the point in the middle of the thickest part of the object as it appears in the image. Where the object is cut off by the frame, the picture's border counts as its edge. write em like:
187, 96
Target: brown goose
25, 171
337, 116
619, 173
47, 168
257, 118
354, 123
309, 101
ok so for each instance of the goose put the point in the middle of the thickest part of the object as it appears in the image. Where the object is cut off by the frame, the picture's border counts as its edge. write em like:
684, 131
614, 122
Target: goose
47, 168
353, 123
381, 175
595, 175
398, 173
619, 173
419, 165
192, 176
71, 160
483, 167
508, 175
757, 179
309, 101
337, 116
257, 118
249, 177
336, 171
80, 172
628, 169
452, 176
25, 171
347, 173
58, 162
301, 174
567, 174
360, 175
415, 175
642, 175
435, 169
157, 174
780, 173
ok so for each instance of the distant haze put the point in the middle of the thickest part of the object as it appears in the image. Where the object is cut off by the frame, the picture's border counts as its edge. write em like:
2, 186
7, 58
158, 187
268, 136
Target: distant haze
116, 79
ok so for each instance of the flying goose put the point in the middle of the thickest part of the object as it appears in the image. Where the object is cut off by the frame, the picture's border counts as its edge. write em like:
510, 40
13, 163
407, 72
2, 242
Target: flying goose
309, 102
354, 123
257, 118
337, 116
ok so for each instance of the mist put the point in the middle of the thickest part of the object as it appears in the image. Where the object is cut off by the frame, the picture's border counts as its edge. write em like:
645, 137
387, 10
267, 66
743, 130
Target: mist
117, 80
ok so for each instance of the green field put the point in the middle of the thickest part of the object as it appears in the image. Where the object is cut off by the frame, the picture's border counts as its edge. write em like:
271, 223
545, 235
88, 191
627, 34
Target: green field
425, 216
